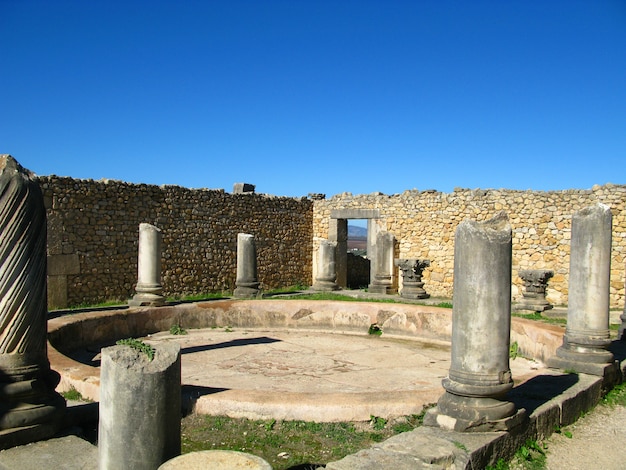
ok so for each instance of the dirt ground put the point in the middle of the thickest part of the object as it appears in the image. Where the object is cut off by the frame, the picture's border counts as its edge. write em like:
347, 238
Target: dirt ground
597, 442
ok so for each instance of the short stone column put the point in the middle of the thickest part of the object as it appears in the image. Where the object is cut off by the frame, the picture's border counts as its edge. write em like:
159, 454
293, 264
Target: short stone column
587, 334
30, 409
535, 285
246, 282
140, 407
149, 288
383, 265
326, 276
479, 375
622, 317
412, 285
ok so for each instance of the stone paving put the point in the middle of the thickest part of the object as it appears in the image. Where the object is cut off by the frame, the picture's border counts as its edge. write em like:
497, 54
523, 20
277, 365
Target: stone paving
313, 375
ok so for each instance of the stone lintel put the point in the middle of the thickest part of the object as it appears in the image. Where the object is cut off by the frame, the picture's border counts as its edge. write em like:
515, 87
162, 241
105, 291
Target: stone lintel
355, 214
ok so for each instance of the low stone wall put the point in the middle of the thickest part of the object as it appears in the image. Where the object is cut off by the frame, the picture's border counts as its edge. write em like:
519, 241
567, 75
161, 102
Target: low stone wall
93, 231
424, 224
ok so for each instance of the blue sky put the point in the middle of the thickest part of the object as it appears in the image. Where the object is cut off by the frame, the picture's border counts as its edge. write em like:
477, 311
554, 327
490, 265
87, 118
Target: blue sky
303, 97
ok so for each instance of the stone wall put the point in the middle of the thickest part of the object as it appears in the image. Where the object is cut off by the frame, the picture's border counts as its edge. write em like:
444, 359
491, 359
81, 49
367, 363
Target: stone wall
93, 231
424, 222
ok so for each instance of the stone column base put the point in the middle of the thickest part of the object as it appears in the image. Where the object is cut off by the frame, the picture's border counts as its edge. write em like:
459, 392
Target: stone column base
538, 307
381, 289
473, 414
247, 292
144, 299
608, 370
414, 293
325, 286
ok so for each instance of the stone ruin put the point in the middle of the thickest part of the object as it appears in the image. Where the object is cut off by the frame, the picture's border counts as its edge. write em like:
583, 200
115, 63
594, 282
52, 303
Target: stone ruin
479, 379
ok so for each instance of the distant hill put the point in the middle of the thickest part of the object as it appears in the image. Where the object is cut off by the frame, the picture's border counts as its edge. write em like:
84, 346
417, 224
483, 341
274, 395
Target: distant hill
355, 231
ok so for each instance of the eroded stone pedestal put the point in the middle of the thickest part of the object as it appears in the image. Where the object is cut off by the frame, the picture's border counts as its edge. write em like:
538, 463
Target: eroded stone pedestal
535, 285
412, 284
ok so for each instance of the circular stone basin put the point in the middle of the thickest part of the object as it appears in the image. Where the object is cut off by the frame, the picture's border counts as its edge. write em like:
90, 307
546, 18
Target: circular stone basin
309, 360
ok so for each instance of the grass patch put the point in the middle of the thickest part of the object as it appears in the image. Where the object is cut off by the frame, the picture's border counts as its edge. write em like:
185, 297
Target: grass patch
74, 395
537, 316
286, 444
616, 397
177, 330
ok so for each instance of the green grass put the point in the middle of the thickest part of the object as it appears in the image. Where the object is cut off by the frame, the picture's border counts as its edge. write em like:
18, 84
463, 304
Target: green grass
286, 444
616, 397
138, 345
536, 316
74, 395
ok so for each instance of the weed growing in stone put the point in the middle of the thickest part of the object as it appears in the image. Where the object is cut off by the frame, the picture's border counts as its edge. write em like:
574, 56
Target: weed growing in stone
513, 350
378, 423
73, 395
177, 330
138, 345
375, 330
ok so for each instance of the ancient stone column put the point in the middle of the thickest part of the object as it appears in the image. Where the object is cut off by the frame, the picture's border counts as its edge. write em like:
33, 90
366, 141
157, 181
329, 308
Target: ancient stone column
140, 407
149, 288
383, 265
246, 282
412, 285
535, 285
479, 375
587, 335
30, 409
326, 276
622, 317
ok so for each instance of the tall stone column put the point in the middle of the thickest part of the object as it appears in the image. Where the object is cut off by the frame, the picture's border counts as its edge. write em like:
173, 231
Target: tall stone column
30, 409
149, 288
479, 375
326, 276
247, 282
383, 265
587, 334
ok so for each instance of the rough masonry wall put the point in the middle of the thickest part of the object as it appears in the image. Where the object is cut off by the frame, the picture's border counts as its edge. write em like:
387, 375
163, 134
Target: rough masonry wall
424, 223
93, 231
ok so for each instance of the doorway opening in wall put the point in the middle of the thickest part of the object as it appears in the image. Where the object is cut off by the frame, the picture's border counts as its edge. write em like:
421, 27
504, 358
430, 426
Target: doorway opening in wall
358, 266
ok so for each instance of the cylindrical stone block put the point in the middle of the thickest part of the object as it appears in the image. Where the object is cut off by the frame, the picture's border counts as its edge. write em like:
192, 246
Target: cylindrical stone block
587, 334
326, 267
247, 283
140, 407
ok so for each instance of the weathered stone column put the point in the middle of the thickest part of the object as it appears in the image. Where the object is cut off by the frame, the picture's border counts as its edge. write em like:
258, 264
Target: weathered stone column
383, 265
149, 288
480, 376
140, 407
412, 285
622, 317
247, 283
587, 335
30, 409
326, 276
535, 285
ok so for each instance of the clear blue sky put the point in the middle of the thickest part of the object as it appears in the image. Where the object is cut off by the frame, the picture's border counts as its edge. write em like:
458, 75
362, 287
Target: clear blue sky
303, 97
